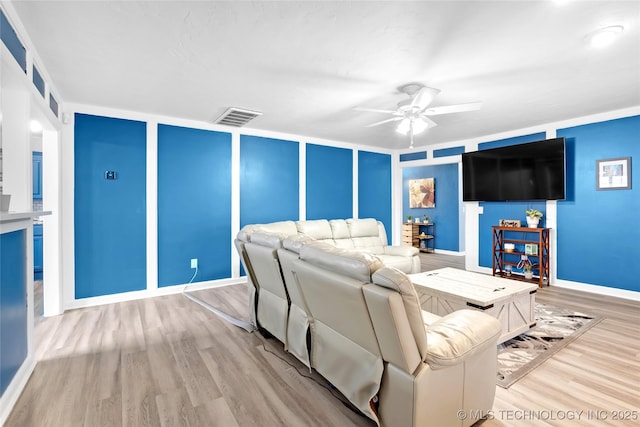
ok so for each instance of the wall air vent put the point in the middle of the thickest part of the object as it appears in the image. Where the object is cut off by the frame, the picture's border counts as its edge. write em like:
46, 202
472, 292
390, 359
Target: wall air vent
237, 117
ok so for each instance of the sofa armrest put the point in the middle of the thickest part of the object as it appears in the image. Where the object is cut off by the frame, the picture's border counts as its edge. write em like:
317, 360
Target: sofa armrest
460, 335
407, 251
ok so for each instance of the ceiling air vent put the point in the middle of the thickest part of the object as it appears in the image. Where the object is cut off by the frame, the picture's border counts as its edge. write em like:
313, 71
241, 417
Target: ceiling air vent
237, 117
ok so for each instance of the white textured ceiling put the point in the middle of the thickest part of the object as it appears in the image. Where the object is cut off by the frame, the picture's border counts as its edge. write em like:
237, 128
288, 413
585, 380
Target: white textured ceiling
307, 64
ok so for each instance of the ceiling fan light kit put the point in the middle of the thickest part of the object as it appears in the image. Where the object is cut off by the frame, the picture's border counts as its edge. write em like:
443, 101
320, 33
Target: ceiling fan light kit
413, 113
604, 36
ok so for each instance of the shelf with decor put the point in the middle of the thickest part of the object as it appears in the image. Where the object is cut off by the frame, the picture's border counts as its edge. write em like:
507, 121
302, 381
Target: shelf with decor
420, 235
516, 247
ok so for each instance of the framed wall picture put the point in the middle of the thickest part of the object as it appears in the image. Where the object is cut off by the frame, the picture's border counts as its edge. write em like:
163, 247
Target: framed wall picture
613, 174
422, 193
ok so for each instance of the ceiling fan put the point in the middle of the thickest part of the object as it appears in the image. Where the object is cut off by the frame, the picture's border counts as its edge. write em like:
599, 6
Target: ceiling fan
413, 113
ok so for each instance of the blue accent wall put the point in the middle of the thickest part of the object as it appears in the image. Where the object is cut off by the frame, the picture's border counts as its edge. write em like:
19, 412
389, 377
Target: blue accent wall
413, 156
495, 211
38, 82
110, 215
194, 204
329, 177
445, 152
269, 180
12, 42
13, 305
445, 214
598, 234
374, 188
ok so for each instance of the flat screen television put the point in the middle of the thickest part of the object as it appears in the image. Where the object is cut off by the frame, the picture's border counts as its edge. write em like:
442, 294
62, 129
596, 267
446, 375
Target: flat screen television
531, 171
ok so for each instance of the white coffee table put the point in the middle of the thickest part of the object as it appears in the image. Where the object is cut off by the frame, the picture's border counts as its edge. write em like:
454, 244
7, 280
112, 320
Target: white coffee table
446, 290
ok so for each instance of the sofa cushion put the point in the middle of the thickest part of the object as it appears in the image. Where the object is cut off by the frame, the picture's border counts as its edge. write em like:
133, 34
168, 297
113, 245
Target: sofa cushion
287, 228
402, 263
459, 335
357, 265
363, 227
316, 229
392, 278
270, 240
339, 229
295, 243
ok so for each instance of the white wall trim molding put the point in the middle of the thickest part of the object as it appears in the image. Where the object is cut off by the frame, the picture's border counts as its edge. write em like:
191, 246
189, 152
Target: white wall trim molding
67, 183
197, 124
235, 203
446, 160
15, 387
302, 181
355, 164
396, 200
598, 289
32, 56
150, 293
152, 204
471, 144
447, 252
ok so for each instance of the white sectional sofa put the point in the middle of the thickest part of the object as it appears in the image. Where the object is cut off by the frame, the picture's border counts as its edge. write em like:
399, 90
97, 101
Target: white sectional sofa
269, 305
358, 322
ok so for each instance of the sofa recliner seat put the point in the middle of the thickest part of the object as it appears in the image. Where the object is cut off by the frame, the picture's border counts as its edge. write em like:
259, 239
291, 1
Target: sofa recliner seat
370, 337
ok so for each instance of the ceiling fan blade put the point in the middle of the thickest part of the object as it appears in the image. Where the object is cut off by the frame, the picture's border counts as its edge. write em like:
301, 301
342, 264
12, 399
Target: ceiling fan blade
375, 110
393, 119
458, 108
429, 122
423, 97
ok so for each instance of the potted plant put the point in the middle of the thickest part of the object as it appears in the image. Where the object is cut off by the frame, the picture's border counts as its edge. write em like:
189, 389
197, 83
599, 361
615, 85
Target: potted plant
533, 217
526, 268
409, 218
425, 219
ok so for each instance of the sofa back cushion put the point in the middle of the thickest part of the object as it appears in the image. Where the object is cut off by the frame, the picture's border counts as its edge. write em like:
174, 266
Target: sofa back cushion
286, 228
357, 265
316, 229
295, 243
394, 279
269, 240
344, 346
365, 234
341, 236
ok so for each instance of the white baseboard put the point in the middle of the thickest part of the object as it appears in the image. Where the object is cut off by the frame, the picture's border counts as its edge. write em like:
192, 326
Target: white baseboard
446, 252
13, 391
150, 293
596, 289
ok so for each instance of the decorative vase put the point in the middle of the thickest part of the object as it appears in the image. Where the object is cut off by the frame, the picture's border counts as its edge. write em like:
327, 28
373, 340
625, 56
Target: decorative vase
532, 222
418, 220
528, 274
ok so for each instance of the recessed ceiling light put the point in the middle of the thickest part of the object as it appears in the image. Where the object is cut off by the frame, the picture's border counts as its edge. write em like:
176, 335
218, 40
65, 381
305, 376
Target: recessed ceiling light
605, 36
35, 126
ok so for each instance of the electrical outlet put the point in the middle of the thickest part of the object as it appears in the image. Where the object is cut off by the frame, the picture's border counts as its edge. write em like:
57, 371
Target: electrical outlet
194, 262
522, 257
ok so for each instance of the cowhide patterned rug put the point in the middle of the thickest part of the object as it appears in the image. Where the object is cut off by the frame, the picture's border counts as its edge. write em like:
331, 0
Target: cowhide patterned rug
555, 329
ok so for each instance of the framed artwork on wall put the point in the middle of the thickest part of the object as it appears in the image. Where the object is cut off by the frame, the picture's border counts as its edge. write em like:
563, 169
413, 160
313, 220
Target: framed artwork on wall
422, 193
613, 174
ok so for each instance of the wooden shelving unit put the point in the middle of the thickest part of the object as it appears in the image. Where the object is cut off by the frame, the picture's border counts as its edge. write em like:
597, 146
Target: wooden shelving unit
538, 238
419, 235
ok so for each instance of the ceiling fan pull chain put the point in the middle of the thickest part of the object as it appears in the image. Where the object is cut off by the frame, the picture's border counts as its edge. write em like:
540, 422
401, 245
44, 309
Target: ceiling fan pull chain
411, 133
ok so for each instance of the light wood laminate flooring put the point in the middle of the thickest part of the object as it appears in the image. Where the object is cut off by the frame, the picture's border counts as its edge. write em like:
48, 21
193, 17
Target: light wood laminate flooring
167, 361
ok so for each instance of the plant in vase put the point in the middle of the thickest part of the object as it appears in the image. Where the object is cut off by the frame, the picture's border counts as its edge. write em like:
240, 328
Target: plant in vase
527, 269
425, 219
533, 217
409, 218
